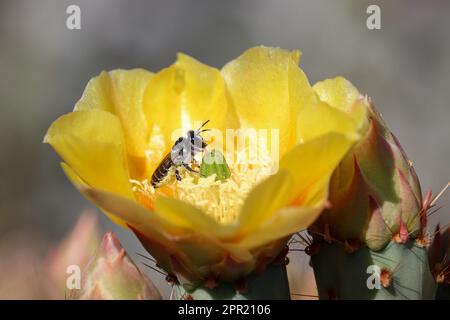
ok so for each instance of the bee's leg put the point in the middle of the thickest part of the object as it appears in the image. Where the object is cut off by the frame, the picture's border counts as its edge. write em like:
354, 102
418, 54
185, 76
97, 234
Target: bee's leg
195, 162
177, 174
189, 168
197, 149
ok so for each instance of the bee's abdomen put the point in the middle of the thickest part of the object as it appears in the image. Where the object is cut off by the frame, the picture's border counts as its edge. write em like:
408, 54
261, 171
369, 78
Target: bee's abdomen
161, 172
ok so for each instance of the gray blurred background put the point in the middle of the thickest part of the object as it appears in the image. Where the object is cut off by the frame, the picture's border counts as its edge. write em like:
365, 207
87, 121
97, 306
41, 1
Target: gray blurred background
405, 67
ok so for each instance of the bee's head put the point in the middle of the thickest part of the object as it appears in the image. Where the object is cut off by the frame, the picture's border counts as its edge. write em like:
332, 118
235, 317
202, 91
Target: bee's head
196, 139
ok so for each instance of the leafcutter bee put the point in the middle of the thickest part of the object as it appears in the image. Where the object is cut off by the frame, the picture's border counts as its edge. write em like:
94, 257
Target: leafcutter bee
181, 154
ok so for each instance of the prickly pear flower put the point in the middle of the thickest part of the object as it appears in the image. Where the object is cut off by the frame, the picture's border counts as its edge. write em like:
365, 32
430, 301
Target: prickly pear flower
111, 275
202, 229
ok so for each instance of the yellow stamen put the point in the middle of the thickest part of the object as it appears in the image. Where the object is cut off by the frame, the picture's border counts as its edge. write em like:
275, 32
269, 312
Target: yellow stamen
221, 200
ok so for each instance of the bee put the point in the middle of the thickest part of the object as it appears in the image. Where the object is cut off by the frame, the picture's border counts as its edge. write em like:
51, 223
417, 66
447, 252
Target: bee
181, 154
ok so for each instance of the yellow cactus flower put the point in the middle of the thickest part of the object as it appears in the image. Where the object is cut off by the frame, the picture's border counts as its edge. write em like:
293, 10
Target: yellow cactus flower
199, 229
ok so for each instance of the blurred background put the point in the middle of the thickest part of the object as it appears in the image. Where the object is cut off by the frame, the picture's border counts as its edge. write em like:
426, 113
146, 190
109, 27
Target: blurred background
404, 67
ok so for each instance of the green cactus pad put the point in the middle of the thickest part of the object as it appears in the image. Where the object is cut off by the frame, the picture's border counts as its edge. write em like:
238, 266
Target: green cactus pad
214, 162
442, 292
342, 275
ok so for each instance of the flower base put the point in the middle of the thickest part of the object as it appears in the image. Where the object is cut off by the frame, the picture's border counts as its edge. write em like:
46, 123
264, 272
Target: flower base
272, 284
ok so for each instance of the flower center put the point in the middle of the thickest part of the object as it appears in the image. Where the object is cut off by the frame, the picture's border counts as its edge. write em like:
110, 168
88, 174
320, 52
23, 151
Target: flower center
222, 200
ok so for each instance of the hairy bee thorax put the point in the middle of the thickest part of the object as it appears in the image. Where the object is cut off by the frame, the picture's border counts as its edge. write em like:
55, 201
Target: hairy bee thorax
181, 155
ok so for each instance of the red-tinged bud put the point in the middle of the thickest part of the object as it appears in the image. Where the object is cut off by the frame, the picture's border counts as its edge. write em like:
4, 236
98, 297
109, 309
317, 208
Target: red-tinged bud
111, 275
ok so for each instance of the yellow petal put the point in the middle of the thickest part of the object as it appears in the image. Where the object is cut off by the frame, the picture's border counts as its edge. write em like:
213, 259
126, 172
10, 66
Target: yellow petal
121, 92
82, 185
131, 212
167, 234
284, 222
268, 89
91, 143
311, 164
188, 216
172, 216
316, 119
182, 97
302, 181
264, 200
97, 94
205, 94
126, 211
339, 93
158, 235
